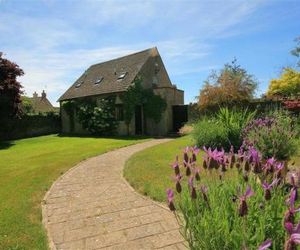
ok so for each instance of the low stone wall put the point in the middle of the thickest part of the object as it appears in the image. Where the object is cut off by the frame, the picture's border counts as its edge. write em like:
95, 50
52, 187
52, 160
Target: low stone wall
30, 126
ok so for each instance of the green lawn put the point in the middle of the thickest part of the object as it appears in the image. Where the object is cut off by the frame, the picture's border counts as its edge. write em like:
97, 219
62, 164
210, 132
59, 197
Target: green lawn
149, 171
28, 167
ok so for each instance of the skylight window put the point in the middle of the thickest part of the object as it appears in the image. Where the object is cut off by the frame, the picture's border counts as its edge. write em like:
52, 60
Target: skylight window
78, 84
122, 75
98, 80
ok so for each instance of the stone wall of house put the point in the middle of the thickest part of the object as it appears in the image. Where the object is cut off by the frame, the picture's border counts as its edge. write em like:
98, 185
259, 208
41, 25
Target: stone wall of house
76, 127
154, 72
172, 96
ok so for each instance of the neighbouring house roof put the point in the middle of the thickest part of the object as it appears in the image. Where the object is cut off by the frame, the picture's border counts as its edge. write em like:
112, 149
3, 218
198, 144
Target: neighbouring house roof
104, 78
41, 104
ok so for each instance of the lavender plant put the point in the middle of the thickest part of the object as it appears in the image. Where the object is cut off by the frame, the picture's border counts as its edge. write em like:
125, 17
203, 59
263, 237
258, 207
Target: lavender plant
234, 201
272, 136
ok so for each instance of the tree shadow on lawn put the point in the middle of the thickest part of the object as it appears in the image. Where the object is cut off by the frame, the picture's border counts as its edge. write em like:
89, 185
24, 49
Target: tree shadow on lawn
6, 144
118, 137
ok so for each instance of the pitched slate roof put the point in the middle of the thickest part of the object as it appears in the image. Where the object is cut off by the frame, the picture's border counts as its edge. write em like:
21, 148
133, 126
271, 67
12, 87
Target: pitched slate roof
110, 71
41, 104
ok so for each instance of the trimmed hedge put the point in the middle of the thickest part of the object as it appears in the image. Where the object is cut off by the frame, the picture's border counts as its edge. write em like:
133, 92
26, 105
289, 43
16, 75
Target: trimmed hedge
30, 126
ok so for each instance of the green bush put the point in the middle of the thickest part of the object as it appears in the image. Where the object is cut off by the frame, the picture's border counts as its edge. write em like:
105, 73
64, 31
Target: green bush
234, 121
223, 130
209, 133
273, 135
98, 119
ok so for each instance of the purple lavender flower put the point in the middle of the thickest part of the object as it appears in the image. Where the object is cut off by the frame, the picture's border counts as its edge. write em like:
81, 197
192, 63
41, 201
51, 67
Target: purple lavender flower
279, 168
265, 245
195, 151
243, 207
213, 157
290, 214
177, 180
186, 155
267, 188
175, 166
204, 190
294, 238
294, 181
170, 199
197, 174
192, 187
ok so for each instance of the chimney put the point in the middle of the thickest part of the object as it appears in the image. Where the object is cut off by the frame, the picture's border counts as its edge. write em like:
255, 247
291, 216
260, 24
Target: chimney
35, 95
43, 94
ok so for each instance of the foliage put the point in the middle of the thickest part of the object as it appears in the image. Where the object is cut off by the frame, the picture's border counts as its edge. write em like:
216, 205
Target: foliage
208, 132
186, 130
234, 121
31, 125
70, 107
222, 130
26, 105
296, 50
98, 119
154, 105
287, 85
232, 213
273, 135
231, 85
28, 168
292, 105
10, 89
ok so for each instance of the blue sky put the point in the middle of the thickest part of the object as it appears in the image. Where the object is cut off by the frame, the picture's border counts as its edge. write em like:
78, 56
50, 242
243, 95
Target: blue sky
54, 41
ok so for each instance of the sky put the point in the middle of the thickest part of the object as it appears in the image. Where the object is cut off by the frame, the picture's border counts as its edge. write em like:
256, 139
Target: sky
55, 41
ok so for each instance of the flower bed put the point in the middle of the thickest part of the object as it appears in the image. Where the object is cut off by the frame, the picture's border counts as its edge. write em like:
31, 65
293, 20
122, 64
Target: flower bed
255, 210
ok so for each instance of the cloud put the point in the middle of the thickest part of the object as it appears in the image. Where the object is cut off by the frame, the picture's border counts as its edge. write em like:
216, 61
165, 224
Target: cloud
55, 41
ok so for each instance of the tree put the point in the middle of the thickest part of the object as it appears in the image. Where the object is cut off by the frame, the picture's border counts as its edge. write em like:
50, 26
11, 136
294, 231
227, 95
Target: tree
10, 89
26, 105
231, 85
296, 50
287, 85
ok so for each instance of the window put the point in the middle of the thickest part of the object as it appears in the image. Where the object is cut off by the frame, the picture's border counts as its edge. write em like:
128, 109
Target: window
122, 76
119, 112
98, 80
78, 84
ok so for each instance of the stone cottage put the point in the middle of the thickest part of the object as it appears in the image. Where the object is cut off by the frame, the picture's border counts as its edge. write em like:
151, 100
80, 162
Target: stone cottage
114, 77
41, 104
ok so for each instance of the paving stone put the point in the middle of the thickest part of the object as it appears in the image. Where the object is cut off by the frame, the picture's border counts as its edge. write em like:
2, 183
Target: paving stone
92, 207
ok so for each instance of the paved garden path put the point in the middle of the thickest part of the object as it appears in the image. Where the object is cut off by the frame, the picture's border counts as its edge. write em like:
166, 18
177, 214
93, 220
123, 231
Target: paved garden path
93, 207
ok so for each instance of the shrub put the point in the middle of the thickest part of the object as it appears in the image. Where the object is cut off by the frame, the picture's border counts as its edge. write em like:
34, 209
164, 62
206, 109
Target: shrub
100, 119
234, 121
185, 130
243, 208
208, 132
223, 130
273, 136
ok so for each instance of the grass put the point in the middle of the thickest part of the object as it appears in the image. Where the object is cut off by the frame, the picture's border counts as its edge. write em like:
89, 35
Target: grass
28, 167
149, 171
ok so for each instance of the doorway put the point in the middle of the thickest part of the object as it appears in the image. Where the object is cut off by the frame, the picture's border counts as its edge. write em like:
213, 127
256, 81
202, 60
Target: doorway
138, 120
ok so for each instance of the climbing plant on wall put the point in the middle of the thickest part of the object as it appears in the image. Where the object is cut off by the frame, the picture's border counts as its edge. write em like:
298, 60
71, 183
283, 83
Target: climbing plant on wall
154, 105
97, 118
69, 107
